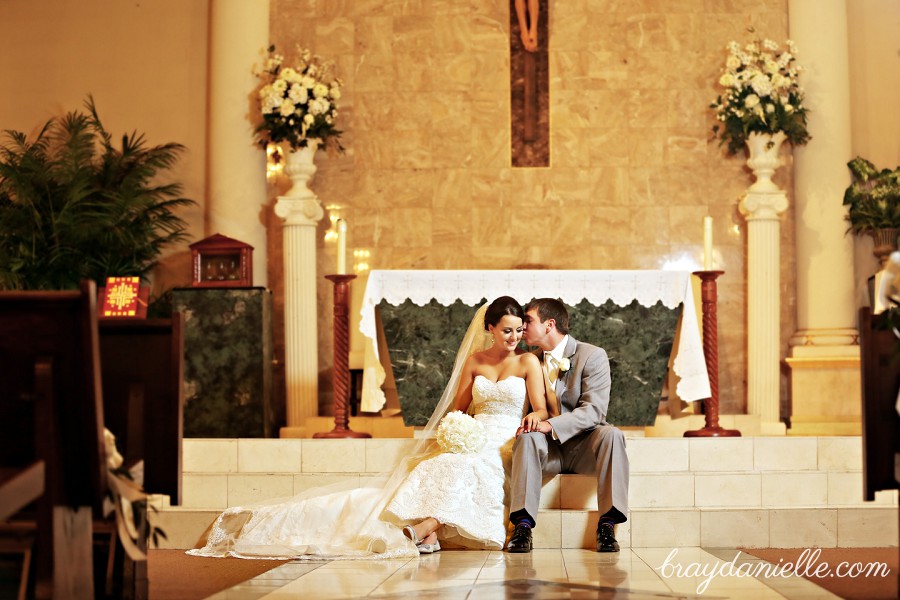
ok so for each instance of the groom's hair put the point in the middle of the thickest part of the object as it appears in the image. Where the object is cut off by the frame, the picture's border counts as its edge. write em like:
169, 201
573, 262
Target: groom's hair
551, 308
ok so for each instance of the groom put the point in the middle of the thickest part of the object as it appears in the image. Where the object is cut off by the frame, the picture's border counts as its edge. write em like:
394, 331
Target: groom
578, 440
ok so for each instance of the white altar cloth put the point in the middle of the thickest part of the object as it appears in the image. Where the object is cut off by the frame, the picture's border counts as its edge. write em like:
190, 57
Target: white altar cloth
622, 287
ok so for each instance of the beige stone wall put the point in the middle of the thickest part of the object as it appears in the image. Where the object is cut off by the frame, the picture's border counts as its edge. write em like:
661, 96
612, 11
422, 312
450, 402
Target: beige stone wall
426, 180
145, 64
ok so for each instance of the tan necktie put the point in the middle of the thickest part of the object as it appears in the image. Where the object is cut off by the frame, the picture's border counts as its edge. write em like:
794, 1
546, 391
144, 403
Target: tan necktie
552, 400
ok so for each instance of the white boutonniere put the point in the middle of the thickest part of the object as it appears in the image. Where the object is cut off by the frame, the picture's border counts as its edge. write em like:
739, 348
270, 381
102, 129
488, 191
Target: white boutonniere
564, 365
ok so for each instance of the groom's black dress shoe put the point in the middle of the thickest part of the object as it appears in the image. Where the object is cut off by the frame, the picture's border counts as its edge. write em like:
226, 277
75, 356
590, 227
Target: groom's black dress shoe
606, 539
520, 540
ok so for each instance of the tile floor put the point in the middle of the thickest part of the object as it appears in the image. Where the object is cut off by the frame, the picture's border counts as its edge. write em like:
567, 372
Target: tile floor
632, 574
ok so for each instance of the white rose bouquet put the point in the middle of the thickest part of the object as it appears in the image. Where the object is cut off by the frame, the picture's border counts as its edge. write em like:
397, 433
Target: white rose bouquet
298, 103
461, 434
762, 94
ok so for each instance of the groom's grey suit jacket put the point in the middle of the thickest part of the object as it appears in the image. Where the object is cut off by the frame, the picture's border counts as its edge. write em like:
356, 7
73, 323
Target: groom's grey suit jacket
582, 391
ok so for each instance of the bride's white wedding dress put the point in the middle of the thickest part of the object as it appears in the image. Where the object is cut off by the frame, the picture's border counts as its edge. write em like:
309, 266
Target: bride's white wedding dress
465, 492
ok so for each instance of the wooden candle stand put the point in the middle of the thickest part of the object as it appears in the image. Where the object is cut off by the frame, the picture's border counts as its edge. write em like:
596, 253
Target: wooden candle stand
709, 297
341, 368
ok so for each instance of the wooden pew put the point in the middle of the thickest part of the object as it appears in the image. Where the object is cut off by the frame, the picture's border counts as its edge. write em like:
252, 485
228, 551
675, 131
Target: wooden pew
880, 362
51, 408
143, 398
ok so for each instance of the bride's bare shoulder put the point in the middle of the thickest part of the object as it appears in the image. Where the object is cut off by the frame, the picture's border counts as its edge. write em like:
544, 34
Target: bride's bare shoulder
528, 358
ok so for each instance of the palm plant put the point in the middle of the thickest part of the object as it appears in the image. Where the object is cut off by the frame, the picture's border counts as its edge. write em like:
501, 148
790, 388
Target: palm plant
75, 206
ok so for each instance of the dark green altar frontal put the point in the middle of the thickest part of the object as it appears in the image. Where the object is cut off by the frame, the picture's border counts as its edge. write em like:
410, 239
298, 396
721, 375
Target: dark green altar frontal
422, 343
227, 362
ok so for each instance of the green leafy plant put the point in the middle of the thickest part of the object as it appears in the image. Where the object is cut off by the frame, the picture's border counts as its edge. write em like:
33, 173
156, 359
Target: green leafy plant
873, 198
73, 205
762, 94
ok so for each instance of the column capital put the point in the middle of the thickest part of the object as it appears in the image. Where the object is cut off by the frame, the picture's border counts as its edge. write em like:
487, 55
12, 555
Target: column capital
299, 210
763, 205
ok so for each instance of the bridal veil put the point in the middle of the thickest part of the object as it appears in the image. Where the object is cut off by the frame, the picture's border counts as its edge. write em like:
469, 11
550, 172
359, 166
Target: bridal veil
340, 521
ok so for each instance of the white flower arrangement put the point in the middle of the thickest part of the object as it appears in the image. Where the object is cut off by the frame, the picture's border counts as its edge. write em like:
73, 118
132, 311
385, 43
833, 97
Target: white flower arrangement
564, 365
762, 94
298, 103
461, 434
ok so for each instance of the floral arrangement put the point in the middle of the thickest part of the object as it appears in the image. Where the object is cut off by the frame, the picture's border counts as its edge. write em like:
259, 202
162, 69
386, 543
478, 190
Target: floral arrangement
461, 434
564, 365
298, 103
762, 94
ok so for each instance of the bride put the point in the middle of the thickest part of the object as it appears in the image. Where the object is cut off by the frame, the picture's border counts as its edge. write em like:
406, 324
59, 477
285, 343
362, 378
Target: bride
431, 496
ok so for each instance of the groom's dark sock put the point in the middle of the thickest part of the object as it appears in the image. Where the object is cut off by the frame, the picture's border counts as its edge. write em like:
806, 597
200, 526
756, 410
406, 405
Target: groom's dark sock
522, 517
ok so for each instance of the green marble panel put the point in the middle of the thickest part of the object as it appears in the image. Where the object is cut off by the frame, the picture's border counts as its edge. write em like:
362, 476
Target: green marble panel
227, 361
422, 342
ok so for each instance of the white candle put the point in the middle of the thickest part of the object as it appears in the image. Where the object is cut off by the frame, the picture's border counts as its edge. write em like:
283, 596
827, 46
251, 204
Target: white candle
707, 244
342, 247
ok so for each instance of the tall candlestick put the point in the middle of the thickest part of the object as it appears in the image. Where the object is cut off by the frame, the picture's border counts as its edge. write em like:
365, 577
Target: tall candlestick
342, 247
707, 244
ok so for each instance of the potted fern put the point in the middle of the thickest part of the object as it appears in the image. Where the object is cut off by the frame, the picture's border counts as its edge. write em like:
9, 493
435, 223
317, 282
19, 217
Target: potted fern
74, 205
873, 201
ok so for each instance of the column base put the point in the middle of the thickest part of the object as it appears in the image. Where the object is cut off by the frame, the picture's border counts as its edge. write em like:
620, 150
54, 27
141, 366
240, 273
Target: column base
825, 390
293, 431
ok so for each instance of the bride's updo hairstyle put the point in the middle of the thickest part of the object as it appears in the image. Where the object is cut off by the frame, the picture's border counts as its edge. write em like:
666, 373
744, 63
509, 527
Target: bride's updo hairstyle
499, 308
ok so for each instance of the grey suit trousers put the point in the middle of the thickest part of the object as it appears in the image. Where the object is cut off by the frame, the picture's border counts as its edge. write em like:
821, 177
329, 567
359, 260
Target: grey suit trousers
538, 457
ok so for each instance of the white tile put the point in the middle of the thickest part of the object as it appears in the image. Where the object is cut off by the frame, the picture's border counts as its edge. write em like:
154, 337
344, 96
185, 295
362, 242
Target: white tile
661, 491
664, 528
578, 492
204, 491
727, 489
734, 528
551, 493
799, 528
840, 453
247, 489
209, 456
183, 527
269, 455
579, 529
870, 527
785, 453
548, 531
333, 456
384, 454
794, 489
721, 454
845, 488
654, 455
304, 482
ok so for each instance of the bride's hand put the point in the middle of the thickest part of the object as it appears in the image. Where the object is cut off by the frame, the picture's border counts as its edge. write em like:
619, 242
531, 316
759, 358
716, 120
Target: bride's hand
531, 422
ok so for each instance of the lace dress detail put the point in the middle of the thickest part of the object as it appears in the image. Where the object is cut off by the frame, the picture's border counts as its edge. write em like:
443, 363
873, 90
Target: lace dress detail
467, 492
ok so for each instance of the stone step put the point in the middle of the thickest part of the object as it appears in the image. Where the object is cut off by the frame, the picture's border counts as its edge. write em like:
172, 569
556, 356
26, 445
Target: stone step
646, 455
798, 527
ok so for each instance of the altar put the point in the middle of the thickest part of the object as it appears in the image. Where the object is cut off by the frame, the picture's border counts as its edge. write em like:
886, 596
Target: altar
638, 317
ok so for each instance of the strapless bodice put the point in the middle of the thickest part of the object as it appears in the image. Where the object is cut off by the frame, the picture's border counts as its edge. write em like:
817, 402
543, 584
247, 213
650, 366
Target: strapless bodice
504, 397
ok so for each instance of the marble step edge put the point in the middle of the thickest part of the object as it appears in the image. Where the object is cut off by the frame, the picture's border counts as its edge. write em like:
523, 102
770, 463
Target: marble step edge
646, 455
794, 527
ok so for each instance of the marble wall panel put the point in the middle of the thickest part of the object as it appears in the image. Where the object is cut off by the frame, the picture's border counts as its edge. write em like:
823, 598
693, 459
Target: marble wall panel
426, 120
422, 343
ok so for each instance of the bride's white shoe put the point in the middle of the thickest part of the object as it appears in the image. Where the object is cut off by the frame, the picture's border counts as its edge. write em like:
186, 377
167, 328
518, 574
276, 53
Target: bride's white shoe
429, 548
409, 532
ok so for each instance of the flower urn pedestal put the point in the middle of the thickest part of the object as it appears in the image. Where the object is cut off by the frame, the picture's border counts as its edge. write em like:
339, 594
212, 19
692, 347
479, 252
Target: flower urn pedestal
762, 207
301, 212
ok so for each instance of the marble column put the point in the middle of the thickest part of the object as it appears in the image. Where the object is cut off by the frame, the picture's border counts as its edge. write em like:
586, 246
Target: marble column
763, 208
236, 205
824, 355
301, 212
